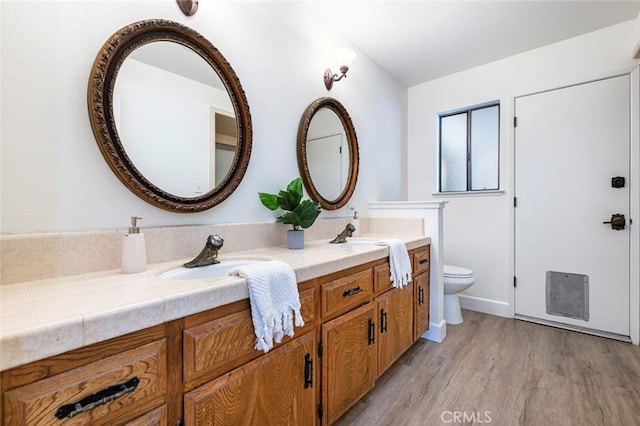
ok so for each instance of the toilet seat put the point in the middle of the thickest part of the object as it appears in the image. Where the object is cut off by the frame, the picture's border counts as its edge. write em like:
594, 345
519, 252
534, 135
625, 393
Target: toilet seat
451, 271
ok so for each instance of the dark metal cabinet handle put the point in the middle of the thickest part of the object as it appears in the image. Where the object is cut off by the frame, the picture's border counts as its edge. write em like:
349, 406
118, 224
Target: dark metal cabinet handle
372, 332
308, 371
98, 398
383, 321
423, 261
351, 291
420, 295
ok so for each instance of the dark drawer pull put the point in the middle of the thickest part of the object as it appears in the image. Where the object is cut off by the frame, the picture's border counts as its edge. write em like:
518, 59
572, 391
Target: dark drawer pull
423, 261
420, 295
308, 371
372, 332
351, 291
98, 398
383, 321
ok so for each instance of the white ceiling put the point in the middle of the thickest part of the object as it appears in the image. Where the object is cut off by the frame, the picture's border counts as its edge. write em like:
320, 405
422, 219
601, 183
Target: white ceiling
420, 40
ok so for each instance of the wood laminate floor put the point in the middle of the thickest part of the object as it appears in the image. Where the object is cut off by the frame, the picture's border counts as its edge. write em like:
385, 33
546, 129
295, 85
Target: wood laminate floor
499, 371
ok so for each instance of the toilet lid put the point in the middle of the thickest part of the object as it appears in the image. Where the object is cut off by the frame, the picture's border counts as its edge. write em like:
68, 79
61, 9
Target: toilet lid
457, 271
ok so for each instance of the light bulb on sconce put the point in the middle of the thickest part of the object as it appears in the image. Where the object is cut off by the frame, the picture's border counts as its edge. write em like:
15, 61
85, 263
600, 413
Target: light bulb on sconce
344, 57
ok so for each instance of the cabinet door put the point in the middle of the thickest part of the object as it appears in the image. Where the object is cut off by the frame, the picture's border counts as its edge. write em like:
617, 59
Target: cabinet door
157, 417
421, 304
348, 361
277, 388
395, 325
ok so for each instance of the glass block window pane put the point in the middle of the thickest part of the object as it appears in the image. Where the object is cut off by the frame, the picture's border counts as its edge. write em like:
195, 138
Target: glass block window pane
453, 163
484, 148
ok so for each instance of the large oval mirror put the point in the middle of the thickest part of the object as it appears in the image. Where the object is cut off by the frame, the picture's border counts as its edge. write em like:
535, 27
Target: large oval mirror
170, 116
328, 153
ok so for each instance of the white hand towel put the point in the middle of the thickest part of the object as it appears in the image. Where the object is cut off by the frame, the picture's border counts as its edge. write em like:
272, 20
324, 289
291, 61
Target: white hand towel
274, 298
399, 262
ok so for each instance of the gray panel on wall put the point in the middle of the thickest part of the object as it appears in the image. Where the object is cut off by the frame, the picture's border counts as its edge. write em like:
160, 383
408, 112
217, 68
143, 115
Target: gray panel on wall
568, 295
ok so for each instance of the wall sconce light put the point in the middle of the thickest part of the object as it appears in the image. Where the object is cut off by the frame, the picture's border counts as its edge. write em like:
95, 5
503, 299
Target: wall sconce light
345, 57
188, 7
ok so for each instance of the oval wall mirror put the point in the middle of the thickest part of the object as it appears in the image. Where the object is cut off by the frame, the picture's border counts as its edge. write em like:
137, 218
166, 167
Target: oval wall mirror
170, 116
327, 151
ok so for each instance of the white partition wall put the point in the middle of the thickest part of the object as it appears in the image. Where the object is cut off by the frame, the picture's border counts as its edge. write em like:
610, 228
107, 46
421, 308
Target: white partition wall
432, 214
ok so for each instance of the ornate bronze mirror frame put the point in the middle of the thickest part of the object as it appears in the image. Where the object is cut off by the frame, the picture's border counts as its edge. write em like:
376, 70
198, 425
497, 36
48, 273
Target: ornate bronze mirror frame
350, 170
101, 112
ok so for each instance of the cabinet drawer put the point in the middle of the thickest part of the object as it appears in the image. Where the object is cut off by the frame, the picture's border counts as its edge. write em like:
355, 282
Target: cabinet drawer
110, 391
346, 292
421, 260
223, 344
381, 278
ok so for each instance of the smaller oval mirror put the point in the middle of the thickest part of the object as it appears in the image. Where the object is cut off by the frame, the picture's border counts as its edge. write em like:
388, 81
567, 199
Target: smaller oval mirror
328, 153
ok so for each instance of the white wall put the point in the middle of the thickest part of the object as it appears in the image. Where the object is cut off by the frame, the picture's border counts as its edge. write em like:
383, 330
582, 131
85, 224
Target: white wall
53, 176
479, 229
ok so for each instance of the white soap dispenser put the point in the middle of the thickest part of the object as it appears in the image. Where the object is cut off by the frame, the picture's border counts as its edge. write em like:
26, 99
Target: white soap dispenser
355, 222
134, 250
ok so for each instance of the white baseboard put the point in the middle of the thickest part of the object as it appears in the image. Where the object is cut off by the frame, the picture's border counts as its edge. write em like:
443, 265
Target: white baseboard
437, 331
487, 306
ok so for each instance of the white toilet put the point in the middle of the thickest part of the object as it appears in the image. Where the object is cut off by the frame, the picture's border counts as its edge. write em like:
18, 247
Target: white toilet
456, 279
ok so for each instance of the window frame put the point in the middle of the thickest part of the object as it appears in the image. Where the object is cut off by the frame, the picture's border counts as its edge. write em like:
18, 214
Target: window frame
469, 163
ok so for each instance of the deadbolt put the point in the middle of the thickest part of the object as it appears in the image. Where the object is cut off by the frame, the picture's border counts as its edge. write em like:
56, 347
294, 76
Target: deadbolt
617, 221
617, 182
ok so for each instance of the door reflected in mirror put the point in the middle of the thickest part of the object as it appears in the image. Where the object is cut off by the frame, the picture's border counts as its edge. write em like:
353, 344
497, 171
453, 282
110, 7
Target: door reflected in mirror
327, 154
175, 118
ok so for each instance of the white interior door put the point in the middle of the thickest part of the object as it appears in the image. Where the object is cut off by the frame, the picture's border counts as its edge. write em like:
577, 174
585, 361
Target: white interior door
569, 144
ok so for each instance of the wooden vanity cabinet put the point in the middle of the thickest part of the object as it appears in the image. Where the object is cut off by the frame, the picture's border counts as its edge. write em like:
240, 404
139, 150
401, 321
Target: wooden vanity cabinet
228, 382
203, 369
421, 270
360, 345
217, 341
276, 388
120, 381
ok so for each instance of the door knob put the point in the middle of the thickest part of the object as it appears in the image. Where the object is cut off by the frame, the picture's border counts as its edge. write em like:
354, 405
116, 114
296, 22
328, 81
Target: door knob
617, 221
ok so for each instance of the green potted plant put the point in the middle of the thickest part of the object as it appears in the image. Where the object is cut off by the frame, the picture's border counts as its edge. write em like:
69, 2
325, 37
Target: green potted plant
298, 213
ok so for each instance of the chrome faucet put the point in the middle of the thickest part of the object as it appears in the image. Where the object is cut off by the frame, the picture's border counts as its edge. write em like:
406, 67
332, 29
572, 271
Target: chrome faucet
209, 254
342, 237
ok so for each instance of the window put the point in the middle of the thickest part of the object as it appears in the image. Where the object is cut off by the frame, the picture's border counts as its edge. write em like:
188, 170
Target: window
469, 149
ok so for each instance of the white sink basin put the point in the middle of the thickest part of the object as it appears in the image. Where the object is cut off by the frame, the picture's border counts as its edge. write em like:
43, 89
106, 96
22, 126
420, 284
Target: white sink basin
360, 243
211, 271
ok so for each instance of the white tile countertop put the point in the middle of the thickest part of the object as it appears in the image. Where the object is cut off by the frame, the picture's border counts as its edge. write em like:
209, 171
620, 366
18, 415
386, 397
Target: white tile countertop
48, 317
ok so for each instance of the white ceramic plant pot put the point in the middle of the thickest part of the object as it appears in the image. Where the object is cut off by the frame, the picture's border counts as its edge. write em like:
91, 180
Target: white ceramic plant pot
295, 238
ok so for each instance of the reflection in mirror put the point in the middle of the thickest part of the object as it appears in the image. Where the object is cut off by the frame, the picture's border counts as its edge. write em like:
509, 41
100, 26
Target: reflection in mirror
170, 116
174, 118
328, 153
